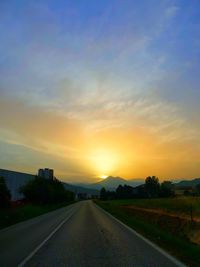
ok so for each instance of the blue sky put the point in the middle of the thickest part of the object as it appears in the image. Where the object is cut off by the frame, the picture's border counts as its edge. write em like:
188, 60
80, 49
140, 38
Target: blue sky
96, 67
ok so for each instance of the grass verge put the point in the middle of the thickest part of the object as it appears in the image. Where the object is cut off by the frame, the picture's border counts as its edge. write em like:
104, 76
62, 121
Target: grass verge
177, 246
24, 212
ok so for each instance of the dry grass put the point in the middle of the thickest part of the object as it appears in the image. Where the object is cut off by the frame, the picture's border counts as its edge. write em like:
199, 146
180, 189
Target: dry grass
166, 222
179, 224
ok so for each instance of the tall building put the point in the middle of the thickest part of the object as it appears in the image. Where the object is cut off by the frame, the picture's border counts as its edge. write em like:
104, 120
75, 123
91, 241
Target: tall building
46, 173
41, 173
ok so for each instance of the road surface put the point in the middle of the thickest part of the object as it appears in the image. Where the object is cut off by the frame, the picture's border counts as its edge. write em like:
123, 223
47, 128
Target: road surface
82, 235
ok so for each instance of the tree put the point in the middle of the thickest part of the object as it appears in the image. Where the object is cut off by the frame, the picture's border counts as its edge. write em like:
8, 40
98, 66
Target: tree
152, 186
103, 194
119, 191
44, 191
167, 189
198, 189
5, 195
124, 192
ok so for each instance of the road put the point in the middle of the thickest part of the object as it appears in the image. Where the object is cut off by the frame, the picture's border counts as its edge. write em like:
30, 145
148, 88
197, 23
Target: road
82, 235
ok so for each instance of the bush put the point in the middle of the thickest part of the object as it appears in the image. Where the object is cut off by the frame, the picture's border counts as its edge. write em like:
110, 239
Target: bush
45, 191
198, 189
124, 192
167, 189
5, 195
152, 186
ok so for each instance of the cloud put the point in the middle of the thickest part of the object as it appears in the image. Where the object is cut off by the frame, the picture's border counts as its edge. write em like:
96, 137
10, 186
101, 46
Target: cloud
70, 84
171, 11
22, 158
36, 126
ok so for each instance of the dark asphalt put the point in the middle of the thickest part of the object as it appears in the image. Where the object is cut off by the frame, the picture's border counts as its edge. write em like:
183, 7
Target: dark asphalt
89, 238
17, 241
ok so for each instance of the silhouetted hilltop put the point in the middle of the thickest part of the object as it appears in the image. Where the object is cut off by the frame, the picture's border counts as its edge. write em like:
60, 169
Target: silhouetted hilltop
111, 183
187, 183
80, 189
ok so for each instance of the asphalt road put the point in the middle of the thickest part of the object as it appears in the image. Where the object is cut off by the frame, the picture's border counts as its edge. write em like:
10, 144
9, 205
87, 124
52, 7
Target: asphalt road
82, 235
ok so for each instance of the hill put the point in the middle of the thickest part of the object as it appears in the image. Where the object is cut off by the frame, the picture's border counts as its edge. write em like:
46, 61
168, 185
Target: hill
111, 183
187, 183
80, 189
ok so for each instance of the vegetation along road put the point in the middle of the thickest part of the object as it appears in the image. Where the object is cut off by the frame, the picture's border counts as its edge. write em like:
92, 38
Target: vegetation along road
81, 234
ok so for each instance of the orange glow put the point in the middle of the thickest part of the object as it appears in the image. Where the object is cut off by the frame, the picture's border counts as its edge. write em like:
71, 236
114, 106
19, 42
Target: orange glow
103, 176
79, 153
103, 160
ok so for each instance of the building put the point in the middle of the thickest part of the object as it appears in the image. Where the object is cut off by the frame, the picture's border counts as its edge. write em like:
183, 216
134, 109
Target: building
40, 173
14, 180
46, 173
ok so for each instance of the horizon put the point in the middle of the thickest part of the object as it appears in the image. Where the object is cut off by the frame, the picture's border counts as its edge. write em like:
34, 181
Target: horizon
100, 179
94, 90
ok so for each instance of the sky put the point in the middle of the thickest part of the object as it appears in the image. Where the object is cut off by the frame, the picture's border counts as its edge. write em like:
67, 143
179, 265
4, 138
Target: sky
95, 88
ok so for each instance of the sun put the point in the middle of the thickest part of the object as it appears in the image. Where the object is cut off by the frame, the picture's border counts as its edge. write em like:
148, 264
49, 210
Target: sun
103, 161
103, 176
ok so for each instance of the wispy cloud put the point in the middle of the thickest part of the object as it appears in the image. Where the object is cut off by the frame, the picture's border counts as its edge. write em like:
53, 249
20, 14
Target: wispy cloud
121, 76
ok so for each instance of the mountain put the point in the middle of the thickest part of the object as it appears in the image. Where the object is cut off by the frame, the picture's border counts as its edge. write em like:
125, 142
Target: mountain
136, 182
80, 189
111, 183
186, 183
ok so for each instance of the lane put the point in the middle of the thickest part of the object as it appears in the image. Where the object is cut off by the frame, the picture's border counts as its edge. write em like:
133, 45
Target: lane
93, 238
17, 241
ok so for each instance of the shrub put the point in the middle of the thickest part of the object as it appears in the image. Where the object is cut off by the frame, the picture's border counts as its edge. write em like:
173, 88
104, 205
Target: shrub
152, 186
5, 195
45, 191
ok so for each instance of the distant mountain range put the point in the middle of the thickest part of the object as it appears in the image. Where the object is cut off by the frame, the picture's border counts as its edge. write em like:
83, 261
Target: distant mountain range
80, 189
111, 183
187, 183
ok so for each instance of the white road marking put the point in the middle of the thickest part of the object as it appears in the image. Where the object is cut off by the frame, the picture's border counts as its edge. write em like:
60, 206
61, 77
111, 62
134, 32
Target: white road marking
164, 253
23, 263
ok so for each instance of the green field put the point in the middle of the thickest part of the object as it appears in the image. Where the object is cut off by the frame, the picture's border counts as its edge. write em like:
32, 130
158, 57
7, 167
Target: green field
25, 212
170, 233
177, 205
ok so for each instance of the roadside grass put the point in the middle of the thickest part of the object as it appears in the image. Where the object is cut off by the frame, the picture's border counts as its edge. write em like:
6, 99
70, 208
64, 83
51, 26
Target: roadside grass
178, 205
24, 212
176, 245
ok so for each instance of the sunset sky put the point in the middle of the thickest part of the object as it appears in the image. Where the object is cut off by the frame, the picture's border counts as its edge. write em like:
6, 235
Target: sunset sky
98, 87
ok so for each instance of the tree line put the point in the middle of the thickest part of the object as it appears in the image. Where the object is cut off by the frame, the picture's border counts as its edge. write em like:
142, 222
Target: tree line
151, 189
45, 191
37, 191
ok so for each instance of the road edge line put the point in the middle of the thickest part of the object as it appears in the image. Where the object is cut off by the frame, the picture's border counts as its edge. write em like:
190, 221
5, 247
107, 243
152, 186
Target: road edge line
22, 264
155, 246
